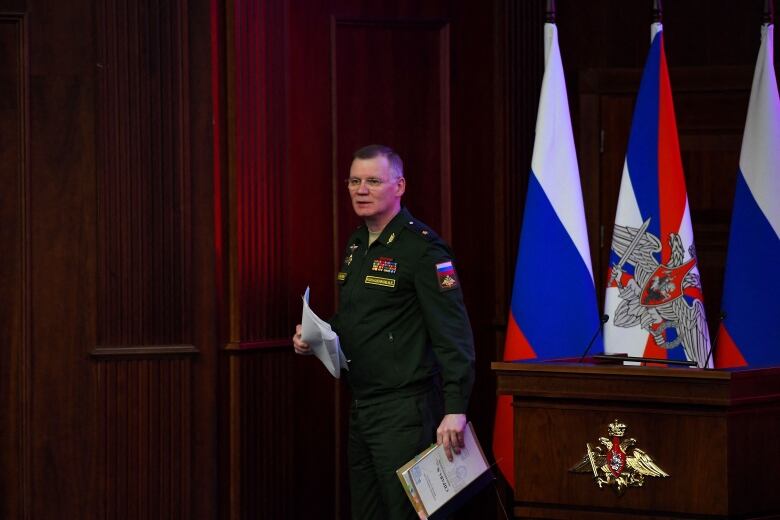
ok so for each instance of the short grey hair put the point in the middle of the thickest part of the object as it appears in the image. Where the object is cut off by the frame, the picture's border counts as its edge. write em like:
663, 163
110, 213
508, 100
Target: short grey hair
378, 150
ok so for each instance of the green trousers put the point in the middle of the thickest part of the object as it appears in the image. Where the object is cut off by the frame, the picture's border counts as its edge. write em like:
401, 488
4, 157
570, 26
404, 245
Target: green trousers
383, 437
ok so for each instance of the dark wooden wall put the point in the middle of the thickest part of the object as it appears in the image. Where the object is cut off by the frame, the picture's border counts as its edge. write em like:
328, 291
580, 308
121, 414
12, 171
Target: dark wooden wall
171, 175
109, 353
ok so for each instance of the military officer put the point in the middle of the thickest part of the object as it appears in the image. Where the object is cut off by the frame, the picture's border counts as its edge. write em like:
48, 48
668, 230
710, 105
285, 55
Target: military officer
404, 329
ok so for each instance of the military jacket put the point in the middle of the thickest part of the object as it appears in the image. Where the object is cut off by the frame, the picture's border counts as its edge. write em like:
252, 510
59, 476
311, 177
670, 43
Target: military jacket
401, 318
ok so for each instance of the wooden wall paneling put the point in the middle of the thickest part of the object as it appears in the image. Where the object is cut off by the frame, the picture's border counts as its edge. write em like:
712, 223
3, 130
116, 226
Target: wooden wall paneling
205, 389
143, 368
259, 432
257, 377
264, 453
391, 85
62, 258
256, 179
312, 218
14, 282
144, 178
517, 44
363, 89
520, 40
144, 437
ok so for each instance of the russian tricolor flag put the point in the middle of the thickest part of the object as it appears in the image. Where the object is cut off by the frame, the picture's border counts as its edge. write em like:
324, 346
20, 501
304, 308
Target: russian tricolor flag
553, 311
653, 297
750, 333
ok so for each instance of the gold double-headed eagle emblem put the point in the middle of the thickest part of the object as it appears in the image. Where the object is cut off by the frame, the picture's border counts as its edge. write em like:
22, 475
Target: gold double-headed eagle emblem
618, 462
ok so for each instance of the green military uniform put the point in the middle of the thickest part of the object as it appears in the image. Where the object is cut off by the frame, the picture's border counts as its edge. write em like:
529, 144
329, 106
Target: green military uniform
404, 329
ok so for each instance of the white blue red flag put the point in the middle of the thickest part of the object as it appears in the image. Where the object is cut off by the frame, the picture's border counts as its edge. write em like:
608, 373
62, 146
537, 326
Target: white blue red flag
749, 333
553, 311
653, 297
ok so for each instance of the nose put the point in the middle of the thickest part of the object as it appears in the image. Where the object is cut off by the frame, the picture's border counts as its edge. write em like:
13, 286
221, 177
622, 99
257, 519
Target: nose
363, 188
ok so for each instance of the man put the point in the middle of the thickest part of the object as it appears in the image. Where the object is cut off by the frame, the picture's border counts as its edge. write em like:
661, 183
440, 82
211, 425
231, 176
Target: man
404, 329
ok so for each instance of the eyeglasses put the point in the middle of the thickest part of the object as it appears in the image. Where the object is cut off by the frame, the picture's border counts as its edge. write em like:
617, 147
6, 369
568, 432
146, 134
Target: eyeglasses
353, 183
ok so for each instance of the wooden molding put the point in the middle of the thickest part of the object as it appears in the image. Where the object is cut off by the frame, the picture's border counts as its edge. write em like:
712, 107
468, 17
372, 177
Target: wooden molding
143, 351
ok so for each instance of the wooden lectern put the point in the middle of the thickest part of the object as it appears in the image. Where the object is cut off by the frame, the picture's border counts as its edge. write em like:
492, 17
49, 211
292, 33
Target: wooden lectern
716, 433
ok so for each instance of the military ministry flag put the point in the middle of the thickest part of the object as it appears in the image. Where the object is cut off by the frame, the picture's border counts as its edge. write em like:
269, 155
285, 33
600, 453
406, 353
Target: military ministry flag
653, 296
553, 311
749, 333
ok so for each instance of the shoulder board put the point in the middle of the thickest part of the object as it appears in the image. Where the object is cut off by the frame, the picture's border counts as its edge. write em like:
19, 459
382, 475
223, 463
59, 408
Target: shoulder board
421, 229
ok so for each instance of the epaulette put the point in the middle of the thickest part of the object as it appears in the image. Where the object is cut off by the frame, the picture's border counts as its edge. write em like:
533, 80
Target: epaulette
421, 229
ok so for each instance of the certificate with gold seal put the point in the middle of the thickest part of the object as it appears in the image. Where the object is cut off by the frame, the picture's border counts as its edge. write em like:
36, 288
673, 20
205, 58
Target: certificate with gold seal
431, 480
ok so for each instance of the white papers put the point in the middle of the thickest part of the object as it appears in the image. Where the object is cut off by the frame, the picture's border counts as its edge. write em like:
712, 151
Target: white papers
324, 343
430, 479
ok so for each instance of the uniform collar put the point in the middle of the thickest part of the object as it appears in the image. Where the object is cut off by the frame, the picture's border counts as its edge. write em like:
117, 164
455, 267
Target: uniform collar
391, 231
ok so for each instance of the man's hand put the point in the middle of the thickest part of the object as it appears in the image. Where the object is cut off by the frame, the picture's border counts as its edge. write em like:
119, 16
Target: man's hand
450, 433
300, 346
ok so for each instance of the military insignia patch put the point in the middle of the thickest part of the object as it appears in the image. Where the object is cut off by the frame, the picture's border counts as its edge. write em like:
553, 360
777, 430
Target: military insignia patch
379, 280
341, 276
384, 264
348, 258
448, 278
618, 462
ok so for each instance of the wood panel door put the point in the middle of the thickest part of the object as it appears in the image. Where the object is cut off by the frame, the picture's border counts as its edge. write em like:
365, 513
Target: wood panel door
107, 373
420, 77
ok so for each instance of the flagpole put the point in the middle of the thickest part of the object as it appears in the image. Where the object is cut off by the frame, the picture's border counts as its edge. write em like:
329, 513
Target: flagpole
657, 18
658, 11
550, 12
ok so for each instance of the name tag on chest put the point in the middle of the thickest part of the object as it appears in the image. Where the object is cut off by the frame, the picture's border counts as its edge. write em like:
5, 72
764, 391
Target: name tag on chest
380, 281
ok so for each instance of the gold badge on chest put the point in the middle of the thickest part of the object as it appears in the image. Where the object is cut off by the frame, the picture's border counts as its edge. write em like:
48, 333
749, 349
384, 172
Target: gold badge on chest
348, 258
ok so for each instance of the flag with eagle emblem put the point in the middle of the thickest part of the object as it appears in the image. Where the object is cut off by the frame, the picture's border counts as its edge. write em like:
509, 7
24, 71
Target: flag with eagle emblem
653, 296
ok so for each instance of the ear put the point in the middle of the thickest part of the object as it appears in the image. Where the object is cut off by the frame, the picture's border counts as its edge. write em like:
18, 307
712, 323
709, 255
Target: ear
400, 188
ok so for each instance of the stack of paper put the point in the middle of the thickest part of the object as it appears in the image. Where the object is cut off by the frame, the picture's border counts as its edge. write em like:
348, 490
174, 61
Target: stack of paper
431, 480
323, 342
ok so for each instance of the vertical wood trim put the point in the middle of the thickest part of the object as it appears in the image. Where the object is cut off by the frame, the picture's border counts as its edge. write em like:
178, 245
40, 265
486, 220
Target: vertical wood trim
339, 472
24, 364
219, 170
234, 438
25, 368
16, 426
334, 142
230, 259
501, 167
